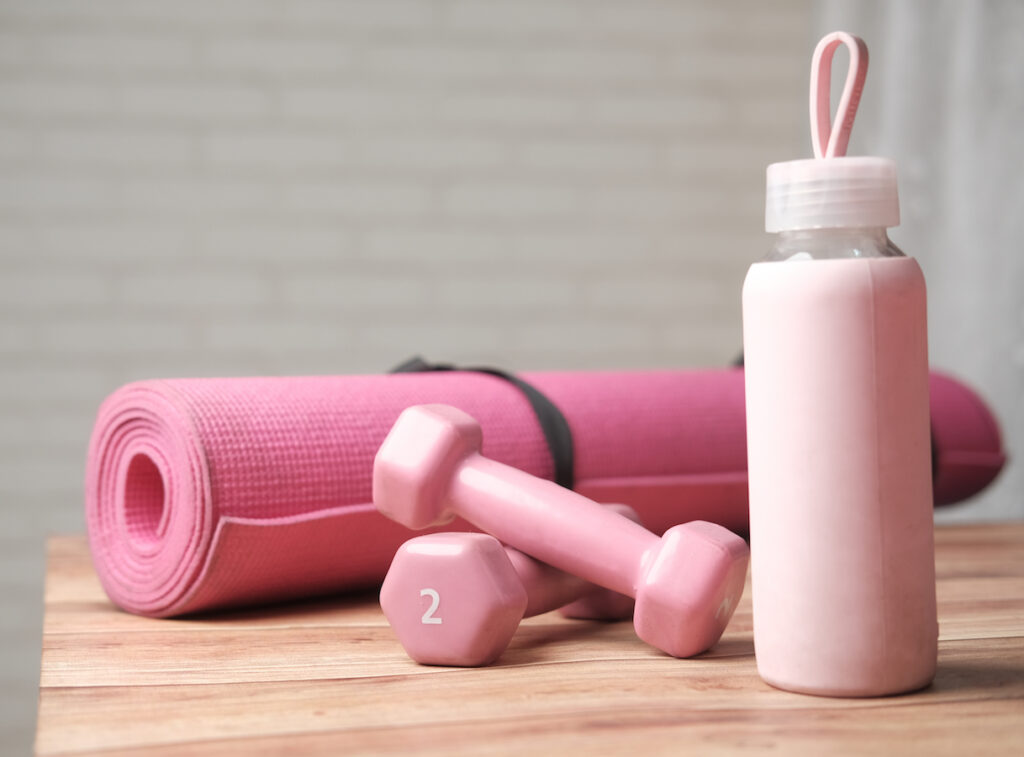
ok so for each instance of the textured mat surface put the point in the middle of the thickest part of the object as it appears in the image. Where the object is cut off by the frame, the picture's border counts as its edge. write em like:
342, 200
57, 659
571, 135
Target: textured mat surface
204, 493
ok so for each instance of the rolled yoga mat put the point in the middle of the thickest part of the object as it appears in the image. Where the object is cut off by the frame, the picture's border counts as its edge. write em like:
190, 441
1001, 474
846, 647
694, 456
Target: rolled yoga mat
208, 493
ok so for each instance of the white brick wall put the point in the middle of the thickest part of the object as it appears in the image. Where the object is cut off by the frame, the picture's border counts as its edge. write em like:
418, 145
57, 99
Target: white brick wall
204, 188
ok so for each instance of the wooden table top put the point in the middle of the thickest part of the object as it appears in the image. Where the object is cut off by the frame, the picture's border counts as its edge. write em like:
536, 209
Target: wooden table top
328, 677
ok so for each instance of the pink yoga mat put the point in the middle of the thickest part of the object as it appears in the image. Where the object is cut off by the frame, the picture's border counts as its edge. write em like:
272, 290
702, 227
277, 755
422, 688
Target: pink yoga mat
207, 493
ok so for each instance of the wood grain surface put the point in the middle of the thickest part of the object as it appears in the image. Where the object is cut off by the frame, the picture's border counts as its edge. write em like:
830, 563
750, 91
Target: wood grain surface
328, 677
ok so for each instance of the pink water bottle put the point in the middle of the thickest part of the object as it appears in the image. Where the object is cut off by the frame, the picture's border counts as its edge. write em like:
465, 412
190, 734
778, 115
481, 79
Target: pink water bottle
835, 343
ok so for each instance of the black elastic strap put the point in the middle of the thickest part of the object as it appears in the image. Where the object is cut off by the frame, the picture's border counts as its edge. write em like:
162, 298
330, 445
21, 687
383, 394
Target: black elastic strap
552, 423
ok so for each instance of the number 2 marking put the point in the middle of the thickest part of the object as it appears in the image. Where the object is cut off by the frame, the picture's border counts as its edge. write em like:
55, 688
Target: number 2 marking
435, 600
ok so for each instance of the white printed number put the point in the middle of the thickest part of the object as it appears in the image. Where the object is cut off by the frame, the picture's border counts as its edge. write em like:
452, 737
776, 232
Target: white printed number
435, 599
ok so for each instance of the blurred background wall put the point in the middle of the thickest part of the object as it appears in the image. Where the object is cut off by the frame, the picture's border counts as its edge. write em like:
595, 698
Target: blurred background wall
226, 188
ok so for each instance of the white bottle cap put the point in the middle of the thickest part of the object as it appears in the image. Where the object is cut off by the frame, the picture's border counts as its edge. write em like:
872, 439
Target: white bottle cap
828, 193
833, 191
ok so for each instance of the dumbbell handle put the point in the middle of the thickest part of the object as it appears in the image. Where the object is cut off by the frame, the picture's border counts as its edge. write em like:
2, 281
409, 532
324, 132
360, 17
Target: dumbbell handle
604, 548
547, 588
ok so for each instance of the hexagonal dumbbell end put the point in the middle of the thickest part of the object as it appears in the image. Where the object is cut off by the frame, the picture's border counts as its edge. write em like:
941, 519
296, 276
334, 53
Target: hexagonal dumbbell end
453, 599
415, 463
689, 591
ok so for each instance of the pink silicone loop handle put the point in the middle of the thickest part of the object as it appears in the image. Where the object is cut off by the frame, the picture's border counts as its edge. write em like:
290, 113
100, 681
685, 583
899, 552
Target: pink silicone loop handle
831, 138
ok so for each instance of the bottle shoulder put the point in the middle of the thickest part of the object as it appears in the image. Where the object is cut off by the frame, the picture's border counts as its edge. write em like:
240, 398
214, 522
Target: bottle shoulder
828, 244
830, 281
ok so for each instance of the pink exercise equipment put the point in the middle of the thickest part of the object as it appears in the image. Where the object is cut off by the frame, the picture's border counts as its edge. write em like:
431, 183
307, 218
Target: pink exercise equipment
457, 598
217, 492
686, 583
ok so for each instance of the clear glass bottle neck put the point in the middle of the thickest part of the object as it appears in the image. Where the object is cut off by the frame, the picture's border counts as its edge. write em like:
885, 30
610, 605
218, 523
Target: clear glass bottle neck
823, 244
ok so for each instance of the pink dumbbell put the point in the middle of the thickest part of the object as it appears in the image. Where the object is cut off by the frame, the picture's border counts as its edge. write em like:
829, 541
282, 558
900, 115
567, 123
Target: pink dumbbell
457, 598
686, 583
